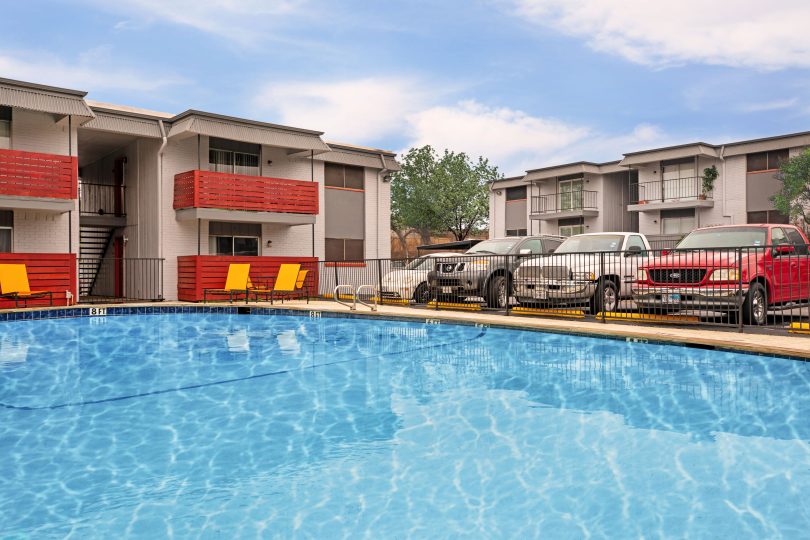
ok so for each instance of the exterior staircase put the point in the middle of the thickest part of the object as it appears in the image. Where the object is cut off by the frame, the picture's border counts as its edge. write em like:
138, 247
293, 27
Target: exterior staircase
94, 243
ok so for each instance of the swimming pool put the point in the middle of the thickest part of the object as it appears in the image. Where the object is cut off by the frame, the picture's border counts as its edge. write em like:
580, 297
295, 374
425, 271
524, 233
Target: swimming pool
219, 425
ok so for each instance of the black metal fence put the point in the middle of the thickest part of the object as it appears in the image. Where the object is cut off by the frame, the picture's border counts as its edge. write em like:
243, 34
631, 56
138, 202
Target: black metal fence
102, 200
674, 189
110, 279
564, 201
735, 287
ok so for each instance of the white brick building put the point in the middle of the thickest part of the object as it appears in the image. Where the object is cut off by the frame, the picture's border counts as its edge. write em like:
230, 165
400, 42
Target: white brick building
128, 189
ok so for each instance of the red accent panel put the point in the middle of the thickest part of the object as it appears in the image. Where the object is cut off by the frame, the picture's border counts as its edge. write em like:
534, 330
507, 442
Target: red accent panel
46, 272
198, 272
29, 174
205, 189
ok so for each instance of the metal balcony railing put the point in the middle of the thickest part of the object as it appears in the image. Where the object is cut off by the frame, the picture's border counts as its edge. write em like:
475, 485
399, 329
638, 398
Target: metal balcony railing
102, 200
678, 189
564, 202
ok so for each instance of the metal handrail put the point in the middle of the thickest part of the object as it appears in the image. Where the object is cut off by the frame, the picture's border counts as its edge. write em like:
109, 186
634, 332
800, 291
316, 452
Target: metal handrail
336, 297
357, 297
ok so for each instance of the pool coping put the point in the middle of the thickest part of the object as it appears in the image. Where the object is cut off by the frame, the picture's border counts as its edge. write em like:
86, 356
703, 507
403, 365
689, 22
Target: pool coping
790, 347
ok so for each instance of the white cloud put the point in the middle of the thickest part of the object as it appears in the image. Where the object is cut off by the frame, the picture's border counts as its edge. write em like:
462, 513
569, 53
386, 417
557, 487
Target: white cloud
367, 111
354, 110
243, 21
725, 32
770, 105
95, 70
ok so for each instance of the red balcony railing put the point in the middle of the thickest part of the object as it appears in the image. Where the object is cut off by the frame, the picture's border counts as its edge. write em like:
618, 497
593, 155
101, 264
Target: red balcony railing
31, 174
205, 189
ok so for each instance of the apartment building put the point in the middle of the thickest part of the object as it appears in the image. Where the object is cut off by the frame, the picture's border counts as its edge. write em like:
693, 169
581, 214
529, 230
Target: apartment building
658, 192
129, 203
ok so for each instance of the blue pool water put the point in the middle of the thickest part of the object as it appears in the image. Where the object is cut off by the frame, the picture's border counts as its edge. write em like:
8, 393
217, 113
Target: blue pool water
228, 426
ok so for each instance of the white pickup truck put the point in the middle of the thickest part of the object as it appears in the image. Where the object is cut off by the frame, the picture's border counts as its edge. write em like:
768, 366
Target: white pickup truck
594, 269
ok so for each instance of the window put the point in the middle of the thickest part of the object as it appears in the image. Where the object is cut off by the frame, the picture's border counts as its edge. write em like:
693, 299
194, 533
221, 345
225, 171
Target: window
242, 239
636, 241
516, 232
6, 230
778, 236
570, 192
680, 221
343, 176
344, 249
766, 161
534, 245
5, 128
516, 193
233, 157
768, 216
679, 179
571, 226
795, 238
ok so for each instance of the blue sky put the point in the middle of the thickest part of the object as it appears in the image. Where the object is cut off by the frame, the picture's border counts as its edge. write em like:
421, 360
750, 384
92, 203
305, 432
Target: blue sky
526, 83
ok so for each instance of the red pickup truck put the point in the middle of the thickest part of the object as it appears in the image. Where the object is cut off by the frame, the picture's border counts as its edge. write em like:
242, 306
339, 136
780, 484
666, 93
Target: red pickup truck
720, 269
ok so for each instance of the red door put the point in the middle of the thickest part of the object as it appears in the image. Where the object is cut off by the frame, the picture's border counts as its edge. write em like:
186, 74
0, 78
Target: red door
118, 249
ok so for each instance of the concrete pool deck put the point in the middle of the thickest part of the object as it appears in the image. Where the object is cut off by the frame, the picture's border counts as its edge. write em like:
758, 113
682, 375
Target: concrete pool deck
764, 344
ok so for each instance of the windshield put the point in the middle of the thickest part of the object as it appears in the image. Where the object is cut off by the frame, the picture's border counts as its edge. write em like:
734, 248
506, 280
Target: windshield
591, 242
493, 247
725, 238
415, 264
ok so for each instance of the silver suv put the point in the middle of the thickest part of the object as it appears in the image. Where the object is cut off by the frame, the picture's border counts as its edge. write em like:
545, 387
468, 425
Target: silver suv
485, 270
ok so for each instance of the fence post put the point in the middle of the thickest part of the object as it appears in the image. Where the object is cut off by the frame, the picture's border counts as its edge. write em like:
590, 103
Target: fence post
740, 310
379, 280
337, 281
600, 290
509, 279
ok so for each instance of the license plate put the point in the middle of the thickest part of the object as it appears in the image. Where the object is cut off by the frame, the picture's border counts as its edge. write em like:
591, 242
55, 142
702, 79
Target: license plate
674, 297
541, 294
447, 290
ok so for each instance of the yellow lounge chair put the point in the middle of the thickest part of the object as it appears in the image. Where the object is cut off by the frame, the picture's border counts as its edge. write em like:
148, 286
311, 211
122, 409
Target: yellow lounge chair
237, 282
286, 282
300, 283
14, 285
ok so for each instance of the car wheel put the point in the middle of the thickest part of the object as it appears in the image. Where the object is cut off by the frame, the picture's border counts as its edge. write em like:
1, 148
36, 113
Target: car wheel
755, 305
422, 294
496, 292
607, 301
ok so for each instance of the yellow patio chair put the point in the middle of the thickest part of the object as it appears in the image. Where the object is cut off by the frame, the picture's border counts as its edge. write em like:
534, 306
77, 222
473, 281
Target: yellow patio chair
286, 282
301, 283
14, 285
237, 282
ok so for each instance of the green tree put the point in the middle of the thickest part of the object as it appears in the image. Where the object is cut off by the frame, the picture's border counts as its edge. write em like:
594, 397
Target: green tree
435, 194
793, 198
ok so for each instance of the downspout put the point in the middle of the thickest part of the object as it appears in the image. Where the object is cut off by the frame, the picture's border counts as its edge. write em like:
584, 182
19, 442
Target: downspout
381, 178
725, 182
160, 186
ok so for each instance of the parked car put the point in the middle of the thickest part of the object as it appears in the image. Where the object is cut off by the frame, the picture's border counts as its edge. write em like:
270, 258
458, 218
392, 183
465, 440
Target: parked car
411, 282
595, 269
707, 271
483, 270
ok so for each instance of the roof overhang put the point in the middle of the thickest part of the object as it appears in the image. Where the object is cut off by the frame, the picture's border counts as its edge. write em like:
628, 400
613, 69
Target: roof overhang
672, 152
127, 124
361, 157
241, 216
767, 144
562, 170
192, 123
60, 102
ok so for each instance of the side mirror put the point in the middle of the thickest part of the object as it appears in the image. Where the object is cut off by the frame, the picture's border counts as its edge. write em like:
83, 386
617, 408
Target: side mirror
784, 249
665, 252
551, 250
632, 251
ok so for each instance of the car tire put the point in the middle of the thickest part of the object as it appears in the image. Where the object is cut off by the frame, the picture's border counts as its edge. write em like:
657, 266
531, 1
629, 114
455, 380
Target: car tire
422, 294
609, 298
497, 297
755, 305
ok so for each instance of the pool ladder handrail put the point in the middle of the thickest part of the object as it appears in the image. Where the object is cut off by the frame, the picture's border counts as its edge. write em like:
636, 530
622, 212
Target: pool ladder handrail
355, 297
372, 307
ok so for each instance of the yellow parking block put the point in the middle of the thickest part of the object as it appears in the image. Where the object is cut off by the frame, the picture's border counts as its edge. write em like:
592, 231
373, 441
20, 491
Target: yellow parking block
647, 317
799, 328
456, 305
392, 301
575, 313
340, 296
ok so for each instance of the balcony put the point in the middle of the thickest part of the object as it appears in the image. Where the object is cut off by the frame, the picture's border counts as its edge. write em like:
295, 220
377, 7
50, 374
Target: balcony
669, 194
35, 181
237, 197
102, 204
564, 205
